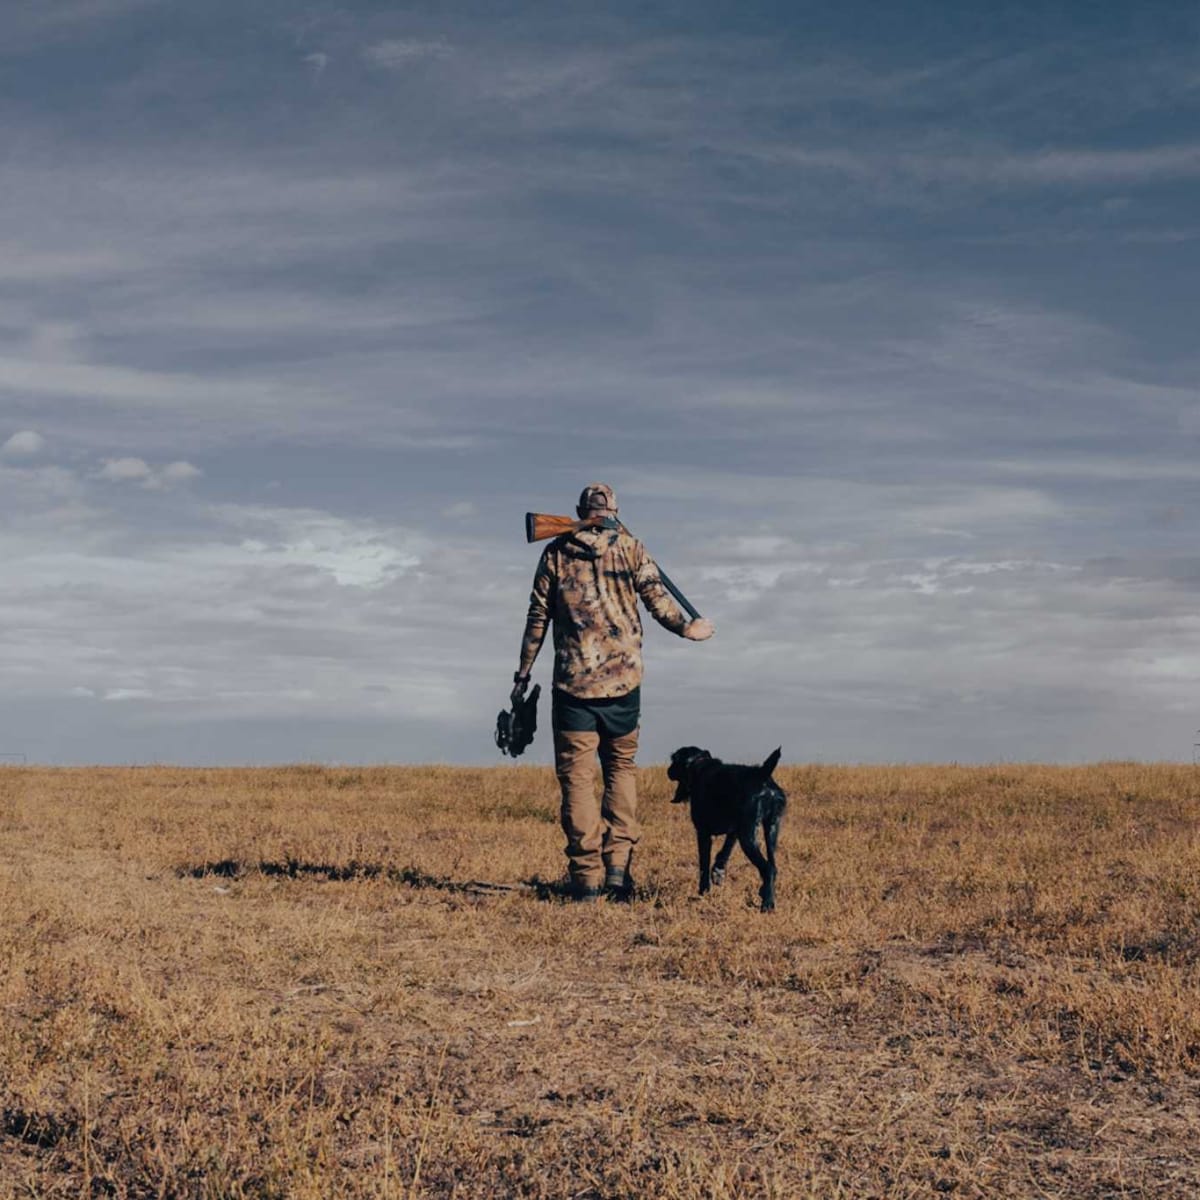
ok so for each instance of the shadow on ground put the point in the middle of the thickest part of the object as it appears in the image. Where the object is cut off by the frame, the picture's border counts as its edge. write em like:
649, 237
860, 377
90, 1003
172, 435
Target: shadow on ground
412, 877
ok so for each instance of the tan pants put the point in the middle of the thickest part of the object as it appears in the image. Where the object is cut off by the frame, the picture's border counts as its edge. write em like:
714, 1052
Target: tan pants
601, 833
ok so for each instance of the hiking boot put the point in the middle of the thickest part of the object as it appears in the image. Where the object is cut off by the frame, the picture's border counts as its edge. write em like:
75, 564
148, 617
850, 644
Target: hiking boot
618, 883
583, 893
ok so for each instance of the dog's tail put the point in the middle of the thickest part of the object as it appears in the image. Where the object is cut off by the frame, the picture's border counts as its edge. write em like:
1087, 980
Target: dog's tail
771, 763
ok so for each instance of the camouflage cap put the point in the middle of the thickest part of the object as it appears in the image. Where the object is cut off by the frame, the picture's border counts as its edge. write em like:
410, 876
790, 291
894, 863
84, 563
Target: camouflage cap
597, 497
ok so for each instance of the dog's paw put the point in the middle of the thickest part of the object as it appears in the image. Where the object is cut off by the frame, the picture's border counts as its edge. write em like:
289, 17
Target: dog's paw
718, 876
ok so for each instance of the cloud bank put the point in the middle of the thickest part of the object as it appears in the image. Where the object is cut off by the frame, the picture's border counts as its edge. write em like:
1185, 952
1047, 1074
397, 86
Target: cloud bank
881, 328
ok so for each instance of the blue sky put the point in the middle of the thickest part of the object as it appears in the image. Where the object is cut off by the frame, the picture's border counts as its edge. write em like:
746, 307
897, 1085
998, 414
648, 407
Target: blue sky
880, 319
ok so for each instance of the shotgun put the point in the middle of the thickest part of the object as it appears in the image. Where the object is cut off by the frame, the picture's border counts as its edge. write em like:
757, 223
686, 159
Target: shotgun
539, 526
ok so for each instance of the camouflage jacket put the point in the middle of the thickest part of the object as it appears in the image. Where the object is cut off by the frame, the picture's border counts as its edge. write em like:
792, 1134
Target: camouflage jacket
588, 584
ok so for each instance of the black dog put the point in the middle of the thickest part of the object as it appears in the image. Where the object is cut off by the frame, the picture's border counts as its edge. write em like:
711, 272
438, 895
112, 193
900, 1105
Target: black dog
730, 800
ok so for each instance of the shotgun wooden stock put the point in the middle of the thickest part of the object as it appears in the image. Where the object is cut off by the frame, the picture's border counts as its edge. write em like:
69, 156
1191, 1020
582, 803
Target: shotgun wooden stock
539, 526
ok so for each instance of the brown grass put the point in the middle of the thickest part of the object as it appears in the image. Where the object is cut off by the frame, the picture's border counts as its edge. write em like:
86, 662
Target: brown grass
235, 983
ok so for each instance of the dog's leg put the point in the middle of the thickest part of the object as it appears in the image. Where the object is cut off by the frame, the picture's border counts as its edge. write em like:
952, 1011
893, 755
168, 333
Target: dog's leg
718, 871
771, 836
747, 840
704, 847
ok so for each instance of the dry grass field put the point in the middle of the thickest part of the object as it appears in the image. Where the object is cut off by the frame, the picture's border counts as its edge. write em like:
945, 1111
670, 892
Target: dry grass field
291, 983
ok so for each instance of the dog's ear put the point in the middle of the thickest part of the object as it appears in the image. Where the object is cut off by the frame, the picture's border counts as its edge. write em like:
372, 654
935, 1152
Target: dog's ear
680, 770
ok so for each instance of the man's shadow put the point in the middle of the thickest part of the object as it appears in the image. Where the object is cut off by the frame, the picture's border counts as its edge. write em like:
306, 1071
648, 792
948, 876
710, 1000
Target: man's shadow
411, 877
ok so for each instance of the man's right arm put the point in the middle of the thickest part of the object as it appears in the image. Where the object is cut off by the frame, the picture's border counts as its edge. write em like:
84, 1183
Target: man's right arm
661, 604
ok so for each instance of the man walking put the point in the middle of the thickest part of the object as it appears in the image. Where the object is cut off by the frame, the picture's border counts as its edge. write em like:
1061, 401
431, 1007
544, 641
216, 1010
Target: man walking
588, 583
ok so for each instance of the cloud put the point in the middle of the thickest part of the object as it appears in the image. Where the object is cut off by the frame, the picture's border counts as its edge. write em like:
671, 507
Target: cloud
258, 611
122, 469
396, 53
275, 538
986, 167
64, 19
137, 470
119, 384
127, 694
853, 327
24, 444
40, 500
1067, 166
174, 474
21, 262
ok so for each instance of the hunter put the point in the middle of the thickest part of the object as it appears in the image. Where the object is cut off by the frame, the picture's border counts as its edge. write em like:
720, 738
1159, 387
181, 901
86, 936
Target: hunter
588, 584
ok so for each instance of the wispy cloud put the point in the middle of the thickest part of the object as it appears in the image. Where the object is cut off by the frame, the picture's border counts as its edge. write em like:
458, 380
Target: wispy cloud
57, 20
395, 53
124, 385
883, 343
261, 611
989, 167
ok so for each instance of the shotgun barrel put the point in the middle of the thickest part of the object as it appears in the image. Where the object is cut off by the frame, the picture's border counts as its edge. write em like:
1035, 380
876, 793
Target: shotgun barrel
684, 603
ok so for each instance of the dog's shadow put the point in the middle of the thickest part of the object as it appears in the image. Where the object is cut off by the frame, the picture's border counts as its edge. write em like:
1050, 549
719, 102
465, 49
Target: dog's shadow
556, 890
